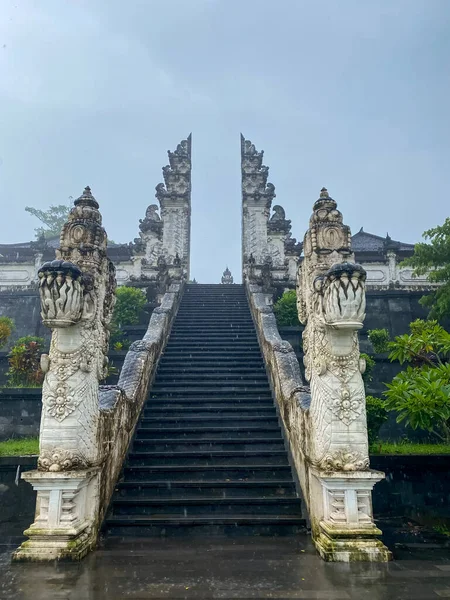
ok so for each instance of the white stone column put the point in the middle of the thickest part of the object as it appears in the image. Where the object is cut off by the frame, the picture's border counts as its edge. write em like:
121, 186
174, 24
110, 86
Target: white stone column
331, 303
77, 297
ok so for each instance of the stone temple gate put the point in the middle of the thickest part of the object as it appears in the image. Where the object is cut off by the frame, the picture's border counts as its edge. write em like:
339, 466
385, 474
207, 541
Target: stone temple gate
211, 426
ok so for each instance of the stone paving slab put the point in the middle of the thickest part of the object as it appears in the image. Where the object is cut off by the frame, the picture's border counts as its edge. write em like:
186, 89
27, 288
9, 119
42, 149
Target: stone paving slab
222, 568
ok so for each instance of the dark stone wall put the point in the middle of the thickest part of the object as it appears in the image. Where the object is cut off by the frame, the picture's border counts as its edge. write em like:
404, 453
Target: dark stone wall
17, 498
25, 310
416, 487
20, 412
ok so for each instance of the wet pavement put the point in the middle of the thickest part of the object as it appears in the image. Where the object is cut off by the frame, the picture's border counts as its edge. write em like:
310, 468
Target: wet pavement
223, 568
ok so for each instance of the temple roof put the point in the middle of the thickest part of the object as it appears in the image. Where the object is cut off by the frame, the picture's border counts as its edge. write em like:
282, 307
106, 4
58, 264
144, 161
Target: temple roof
371, 243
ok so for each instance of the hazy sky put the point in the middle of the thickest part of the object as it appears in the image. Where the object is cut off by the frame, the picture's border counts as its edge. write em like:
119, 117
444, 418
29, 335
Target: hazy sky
348, 94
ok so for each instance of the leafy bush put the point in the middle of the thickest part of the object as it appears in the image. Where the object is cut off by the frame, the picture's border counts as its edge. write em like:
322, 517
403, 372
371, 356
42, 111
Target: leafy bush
379, 339
129, 303
421, 393
285, 309
421, 396
428, 343
24, 362
370, 364
6, 328
376, 416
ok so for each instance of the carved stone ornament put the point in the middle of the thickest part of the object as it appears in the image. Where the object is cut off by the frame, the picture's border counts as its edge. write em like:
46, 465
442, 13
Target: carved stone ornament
177, 174
227, 277
77, 293
61, 289
60, 460
345, 460
331, 303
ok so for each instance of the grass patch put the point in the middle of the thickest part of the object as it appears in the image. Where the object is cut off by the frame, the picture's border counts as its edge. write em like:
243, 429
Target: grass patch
408, 448
19, 447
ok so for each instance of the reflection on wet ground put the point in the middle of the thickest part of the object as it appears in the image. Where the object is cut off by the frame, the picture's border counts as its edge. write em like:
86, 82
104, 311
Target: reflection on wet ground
222, 568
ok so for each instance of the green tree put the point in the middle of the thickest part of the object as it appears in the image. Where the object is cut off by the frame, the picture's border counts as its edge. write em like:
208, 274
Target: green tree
129, 303
434, 259
53, 219
421, 393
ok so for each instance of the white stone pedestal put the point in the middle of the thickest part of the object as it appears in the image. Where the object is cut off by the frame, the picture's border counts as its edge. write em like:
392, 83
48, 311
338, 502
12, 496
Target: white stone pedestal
343, 527
65, 513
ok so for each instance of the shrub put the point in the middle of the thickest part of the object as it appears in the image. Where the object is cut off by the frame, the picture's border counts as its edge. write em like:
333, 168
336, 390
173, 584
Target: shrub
370, 364
24, 362
427, 344
129, 303
6, 328
379, 338
376, 416
285, 309
421, 396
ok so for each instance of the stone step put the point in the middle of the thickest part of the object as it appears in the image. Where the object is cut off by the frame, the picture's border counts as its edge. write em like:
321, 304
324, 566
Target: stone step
207, 444
198, 433
189, 401
202, 458
205, 390
207, 472
192, 369
197, 411
224, 507
258, 488
207, 421
205, 526
209, 378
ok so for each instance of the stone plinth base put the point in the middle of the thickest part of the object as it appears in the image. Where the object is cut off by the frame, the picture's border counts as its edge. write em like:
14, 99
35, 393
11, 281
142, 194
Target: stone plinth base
341, 511
347, 545
65, 515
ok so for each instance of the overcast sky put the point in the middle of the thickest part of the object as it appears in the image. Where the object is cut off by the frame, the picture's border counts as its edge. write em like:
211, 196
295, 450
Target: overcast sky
348, 94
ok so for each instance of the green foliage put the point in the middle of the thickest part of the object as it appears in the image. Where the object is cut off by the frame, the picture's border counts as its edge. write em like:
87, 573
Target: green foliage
24, 362
376, 416
442, 529
435, 256
379, 339
370, 365
6, 328
407, 447
19, 447
129, 303
53, 219
428, 343
421, 397
285, 309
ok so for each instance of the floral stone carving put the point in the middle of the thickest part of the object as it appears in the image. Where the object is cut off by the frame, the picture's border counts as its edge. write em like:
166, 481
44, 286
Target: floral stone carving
60, 460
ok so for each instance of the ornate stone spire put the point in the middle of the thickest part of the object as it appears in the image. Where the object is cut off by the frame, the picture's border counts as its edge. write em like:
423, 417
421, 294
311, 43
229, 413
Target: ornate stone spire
174, 196
177, 174
227, 277
255, 187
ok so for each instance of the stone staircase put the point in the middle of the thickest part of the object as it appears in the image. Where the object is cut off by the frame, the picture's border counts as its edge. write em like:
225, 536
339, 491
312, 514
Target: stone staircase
208, 455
